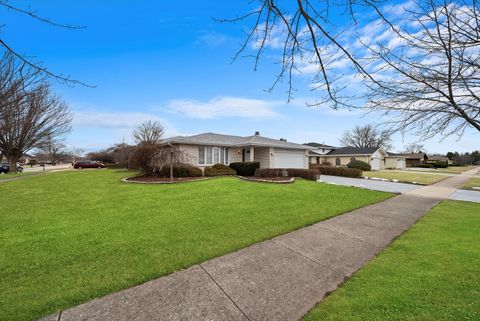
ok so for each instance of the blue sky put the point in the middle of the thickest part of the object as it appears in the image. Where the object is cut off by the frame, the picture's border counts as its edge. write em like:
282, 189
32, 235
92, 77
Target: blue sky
172, 62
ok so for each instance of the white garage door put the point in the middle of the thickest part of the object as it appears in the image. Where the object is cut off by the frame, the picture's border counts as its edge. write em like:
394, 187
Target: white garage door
376, 164
284, 158
401, 164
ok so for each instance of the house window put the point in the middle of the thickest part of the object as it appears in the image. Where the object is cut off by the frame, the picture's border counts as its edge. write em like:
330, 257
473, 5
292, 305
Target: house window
208, 151
352, 159
208, 155
337, 161
201, 155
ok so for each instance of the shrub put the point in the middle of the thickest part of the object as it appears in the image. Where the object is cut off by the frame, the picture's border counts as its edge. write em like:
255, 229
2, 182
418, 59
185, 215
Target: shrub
440, 164
311, 174
360, 165
142, 156
340, 171
180, 170
219, 170
424, 166
245, 168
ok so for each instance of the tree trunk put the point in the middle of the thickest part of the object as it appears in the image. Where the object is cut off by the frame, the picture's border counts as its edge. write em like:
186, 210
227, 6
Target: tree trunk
13, 164
171, 165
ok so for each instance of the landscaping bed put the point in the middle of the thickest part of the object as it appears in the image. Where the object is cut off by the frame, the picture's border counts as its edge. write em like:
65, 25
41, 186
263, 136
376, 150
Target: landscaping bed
431, 273
161, 180
69, 237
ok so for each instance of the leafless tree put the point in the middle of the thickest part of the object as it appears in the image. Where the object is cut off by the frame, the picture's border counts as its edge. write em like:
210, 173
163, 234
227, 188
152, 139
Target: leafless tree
53, 149
422, 72
367, 136
28, 60
413, 148
430, 82
149, 132
168, 155
30, 113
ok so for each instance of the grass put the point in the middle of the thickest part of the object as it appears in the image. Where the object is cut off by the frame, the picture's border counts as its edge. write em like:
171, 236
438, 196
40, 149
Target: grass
473, 182
453, 169
69, 237
407, 177
432, 273
13, 175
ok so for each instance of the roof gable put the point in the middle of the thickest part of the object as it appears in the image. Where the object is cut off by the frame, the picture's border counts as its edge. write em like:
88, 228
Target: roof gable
355, 151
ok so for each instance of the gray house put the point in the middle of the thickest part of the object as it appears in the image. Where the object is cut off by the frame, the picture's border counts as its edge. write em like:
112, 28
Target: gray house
209, 148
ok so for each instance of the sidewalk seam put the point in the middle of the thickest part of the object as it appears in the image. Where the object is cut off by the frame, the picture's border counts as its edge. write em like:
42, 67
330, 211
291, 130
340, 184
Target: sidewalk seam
225, 292
304, 256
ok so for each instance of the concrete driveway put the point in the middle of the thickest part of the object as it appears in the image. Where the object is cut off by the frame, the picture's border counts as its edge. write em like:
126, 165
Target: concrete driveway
375, 185
464, 195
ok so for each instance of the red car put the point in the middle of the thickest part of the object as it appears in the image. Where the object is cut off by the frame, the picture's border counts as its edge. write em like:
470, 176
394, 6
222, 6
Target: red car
88, 164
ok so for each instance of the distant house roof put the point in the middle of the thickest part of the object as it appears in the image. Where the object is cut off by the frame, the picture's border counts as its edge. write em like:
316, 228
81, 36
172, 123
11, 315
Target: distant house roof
391, 154
233, 141
438, 158
353, 151
419, 156
318, 145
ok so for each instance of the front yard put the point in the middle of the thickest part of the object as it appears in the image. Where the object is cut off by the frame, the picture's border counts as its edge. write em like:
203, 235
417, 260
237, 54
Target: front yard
407, 177
473, 182
432, 273
69, 237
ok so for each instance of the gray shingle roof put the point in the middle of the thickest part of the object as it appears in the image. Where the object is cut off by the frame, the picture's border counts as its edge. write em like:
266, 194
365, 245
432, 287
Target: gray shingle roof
353, 151
233, 141
318, 145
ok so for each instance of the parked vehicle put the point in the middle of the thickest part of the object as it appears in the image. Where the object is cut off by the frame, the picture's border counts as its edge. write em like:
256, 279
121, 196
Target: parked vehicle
5, 168
88, 164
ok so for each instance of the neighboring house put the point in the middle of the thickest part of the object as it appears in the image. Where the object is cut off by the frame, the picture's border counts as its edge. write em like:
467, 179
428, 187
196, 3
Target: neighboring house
209, 148
377, 157
415, 159
438, 158
315, 155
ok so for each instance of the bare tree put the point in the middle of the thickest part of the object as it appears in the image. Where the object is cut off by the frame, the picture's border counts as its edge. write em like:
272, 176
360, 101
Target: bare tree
430, 82
422, 71
149, 132
28, 60
367, 136
54, 149
169, 155
30, 113
413, 148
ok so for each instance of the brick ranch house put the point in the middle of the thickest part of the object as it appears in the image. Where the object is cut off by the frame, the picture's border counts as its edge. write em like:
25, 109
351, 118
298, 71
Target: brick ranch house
208, 149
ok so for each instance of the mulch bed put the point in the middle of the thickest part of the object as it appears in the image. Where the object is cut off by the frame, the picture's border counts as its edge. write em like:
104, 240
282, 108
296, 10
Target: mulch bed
162, 180
278, 180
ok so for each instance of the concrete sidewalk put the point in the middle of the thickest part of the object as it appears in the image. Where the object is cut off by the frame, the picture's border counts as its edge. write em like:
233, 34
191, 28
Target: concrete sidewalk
279, 279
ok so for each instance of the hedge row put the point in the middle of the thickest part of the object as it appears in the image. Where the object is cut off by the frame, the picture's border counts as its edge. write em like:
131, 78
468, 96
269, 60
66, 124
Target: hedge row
245, 168
337, 171
310, 174
218, 170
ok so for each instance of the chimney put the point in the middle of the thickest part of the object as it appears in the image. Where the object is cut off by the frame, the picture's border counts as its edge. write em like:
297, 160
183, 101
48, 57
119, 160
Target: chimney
257, 133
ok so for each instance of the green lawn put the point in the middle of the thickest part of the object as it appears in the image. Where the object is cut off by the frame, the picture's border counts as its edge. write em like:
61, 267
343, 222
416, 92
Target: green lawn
407, 177
71, 236
453, 169
432, 273
473, 182
13, 175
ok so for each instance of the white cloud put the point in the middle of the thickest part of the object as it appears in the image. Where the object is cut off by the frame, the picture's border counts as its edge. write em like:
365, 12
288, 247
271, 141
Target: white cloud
112, 119
211, 38
225, 107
